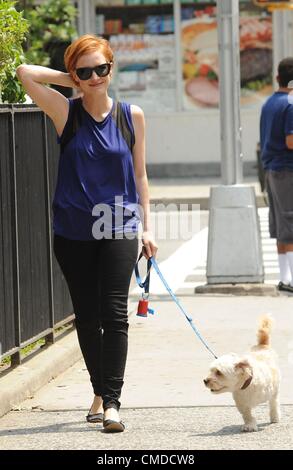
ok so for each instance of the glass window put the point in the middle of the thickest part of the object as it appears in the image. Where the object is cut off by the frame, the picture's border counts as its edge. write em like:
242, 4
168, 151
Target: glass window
141, 34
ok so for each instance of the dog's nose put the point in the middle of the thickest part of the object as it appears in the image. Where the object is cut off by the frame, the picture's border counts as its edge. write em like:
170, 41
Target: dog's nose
206, 381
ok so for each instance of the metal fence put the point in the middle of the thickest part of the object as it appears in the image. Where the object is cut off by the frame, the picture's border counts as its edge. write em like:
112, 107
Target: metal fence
34, 298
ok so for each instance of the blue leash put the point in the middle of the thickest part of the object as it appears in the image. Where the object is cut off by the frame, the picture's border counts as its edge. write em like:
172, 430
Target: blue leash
145, 285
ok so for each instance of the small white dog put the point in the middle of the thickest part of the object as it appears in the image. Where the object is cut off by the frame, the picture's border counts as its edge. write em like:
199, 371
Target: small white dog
252, 379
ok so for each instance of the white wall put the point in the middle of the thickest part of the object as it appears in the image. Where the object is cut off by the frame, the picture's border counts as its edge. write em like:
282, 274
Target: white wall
194, 137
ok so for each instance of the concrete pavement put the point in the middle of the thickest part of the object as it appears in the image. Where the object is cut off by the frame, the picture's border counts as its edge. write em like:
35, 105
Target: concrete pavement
192, 428
164, 403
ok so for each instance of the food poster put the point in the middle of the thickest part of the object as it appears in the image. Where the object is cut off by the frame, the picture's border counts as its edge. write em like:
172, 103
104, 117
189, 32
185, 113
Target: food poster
256, 59
201, 60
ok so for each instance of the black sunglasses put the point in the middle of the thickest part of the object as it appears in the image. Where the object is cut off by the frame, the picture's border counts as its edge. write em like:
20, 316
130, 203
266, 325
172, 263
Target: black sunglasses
85, 73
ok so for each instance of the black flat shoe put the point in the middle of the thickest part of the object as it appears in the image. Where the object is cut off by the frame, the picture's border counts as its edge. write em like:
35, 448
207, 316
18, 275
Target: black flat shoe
95, 417
113, 426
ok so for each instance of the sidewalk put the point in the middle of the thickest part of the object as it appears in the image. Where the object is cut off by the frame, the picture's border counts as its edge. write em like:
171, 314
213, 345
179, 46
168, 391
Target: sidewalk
164, 403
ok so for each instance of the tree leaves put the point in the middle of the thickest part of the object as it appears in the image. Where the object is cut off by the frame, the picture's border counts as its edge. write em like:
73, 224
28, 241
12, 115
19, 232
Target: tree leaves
13, 29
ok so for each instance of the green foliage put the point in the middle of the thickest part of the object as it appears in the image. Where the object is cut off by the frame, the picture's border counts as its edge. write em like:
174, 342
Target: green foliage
12, 91
13, 28
51, 24
48, 27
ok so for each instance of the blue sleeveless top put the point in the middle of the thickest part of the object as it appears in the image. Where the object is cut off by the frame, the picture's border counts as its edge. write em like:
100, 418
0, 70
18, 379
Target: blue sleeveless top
96, 195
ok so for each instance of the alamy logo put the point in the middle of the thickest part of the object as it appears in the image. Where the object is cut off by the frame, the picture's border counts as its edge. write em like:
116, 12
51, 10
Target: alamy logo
168, 222
117, 218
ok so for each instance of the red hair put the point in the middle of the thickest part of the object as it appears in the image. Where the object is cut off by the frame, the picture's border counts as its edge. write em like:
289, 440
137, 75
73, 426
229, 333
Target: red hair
84, 45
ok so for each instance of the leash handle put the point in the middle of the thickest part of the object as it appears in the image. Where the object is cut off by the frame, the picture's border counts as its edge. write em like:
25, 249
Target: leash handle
143, 304
145, 285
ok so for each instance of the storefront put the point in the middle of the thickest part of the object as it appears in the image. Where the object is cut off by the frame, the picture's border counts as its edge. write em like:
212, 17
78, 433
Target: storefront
166, 61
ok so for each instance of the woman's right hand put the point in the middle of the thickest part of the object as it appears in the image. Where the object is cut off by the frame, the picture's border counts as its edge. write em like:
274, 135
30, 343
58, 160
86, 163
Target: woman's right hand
150, 247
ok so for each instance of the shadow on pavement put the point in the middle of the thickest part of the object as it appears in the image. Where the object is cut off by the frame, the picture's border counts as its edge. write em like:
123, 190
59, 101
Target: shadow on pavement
230, 431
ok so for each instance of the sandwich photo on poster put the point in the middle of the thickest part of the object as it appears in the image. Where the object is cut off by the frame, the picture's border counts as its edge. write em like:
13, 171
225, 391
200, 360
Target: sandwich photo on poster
201, 61
256, 59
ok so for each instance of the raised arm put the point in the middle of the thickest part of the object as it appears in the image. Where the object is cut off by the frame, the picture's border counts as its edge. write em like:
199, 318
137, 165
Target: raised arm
53, 103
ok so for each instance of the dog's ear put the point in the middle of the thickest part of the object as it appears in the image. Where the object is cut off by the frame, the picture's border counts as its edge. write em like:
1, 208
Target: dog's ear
243, 365
245, 369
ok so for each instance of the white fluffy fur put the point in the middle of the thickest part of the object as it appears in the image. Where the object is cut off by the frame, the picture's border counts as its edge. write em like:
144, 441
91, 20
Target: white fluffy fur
229, 373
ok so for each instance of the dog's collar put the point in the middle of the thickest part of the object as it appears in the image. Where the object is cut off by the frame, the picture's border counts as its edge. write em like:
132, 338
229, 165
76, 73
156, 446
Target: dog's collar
246, 383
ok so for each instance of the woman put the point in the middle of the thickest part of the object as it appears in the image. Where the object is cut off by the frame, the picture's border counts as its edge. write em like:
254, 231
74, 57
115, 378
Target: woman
101, 160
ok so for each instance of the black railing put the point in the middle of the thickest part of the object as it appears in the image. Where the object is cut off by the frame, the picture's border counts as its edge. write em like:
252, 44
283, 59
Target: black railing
34, 298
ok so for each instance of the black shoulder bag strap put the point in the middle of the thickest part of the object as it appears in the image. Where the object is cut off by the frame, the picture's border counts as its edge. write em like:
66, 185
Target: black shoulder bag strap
122, 124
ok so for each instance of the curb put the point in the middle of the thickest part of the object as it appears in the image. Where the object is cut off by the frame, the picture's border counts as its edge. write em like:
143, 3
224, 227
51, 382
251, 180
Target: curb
238, 289
203, 202
23, 381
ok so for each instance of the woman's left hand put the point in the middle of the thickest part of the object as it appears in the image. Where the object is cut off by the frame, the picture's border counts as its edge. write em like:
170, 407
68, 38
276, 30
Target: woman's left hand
150, 247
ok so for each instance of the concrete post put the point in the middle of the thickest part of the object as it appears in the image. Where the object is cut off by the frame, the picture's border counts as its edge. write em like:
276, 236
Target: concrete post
228, 40
86, 17
234, 244
234, 247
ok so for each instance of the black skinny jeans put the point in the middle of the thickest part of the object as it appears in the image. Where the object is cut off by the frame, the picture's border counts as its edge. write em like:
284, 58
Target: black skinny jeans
98, 274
